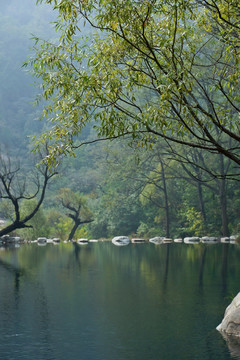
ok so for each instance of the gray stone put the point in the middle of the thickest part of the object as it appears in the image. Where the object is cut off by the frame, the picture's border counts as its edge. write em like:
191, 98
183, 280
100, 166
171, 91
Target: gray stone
42, 240
225, 240
178, 240
209, 240
138, 241
230, 324
167, 240
121, 240
157, 240
191, 240
82, 241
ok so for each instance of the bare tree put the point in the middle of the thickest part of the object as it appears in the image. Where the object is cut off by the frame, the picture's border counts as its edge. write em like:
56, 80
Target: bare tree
76, 204
15, 186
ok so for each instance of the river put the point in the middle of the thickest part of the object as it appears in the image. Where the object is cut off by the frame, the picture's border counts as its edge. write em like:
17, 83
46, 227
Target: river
103, 302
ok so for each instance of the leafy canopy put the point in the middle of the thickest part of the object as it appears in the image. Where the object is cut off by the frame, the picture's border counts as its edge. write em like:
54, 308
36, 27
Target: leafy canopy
146, 69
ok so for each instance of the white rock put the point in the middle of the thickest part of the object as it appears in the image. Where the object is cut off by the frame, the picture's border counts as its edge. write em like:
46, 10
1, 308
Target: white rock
82, 241
121, 240
209, 239
42, 240
191, 240
179, 240
157, 240
230, 324
138, 241
225, 240
167, 240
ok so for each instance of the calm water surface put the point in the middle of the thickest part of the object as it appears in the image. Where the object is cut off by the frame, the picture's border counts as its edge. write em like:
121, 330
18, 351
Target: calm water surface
102, 302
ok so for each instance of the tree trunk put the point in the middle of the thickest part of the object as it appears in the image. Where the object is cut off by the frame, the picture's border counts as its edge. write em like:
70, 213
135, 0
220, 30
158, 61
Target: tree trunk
14, 226
223, 198
166, 206
77, 223
223, 203
201, 201
74, 229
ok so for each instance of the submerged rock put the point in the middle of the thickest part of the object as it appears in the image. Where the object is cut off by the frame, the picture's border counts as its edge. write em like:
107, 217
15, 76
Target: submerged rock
230, 324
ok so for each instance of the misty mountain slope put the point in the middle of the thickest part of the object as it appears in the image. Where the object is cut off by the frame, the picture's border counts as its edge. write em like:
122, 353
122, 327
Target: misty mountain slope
18, 21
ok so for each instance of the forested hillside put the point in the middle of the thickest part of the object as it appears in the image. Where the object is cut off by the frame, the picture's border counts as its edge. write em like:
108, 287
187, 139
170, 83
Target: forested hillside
144, 180
19, 21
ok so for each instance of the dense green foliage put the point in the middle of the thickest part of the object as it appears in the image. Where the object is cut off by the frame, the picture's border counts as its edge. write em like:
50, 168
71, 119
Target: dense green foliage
152, 69
164, 75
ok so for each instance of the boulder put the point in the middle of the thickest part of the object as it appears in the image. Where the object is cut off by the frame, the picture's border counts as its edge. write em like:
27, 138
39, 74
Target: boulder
121, 240
178, 240
157, 240
82, 241
138, 241
233, 239
41, 240
230, 324
191, 240
167, 240
225, 240
209, 240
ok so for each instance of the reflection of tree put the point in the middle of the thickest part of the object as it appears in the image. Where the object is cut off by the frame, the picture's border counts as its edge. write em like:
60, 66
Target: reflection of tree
76, 252
233, 344
17, 280
17, 274
122, 289
22, 276
32, 257
225, 248
166, 266
149, 262
72, 256
202, 263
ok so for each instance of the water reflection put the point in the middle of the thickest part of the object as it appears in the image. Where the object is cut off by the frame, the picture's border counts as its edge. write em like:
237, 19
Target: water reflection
166, 265
224, 272
105, 302
202, 263
233, 344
